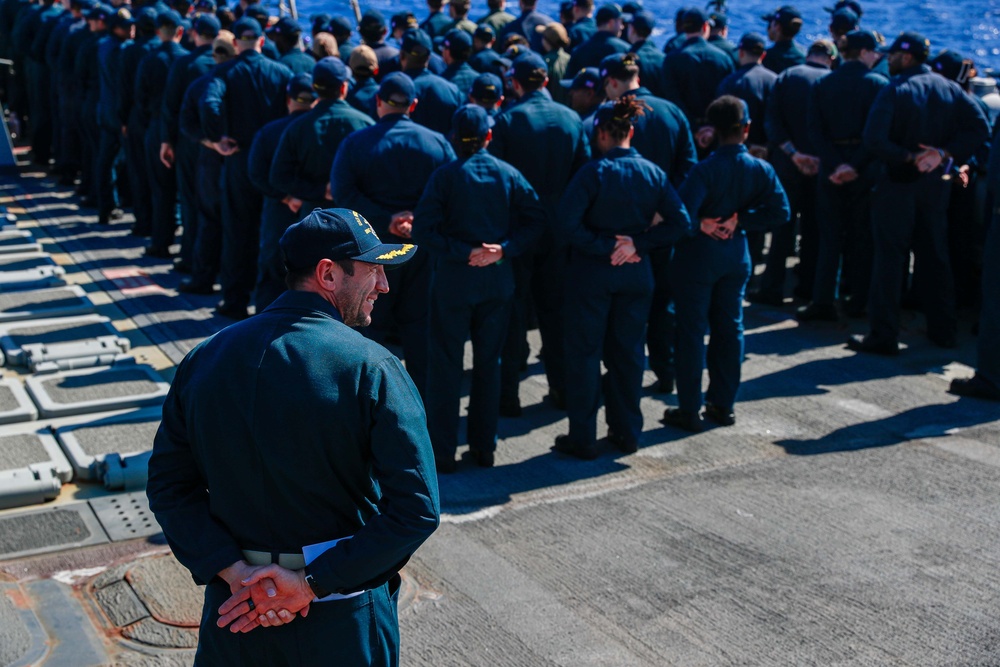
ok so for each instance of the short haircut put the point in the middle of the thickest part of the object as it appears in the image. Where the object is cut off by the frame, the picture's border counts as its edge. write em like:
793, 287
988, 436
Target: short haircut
727, 115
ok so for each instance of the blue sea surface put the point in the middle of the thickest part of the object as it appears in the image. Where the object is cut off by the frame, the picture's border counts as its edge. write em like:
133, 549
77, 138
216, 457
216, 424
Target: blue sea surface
971, 27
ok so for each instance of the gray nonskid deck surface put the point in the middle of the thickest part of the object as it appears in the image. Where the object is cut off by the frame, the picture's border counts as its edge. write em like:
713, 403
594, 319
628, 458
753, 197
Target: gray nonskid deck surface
97, 387
8, 402
121, 438
58, 333
21, 450
40, 299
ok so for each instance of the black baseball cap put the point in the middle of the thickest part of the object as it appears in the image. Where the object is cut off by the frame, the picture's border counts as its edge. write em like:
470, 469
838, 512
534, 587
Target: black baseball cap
286, 25
784, 15
608, 12
910, 42
206, 25
300, 89
849, 4
860, 39
246, 29
459, 42
753, 43
844, 20
397, 90
525, 69
692, 19
588, 77
337, 234
416, 42
617, 65
486, 88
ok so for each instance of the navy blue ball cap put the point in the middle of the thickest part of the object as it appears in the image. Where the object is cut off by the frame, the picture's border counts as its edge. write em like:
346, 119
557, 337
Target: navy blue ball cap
641, 20
207, 25
338, 234
372, 18
848, 4
860, 39
470, 123
753, 43
207, 6
485, 34
844, 20
718, 19
300, 89
458, 41
416, 42
87, 5
608, 12
953, 66
102, 13
693, 19
258, 12
588, 77
486, 88
330, 73
122, 18
246, 29
403, 21
145, 18
286, 25
910, 42
397, 90
529, 69
631, 7
621, 66
566, 6
784, 15
339, 25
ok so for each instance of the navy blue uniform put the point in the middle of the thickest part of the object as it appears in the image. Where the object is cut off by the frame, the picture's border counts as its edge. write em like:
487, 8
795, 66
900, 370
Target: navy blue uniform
438, 100
909, 208
385, 53
299, 166
650, 66
709, 275
663, 137
483, 61
361, 96
87, 75
838, 110
240, 100
525, 25
753, 84
302, 161
208, 175
35, 28
109, 56
297, 403
545, 141
380, 171
607, 308
65, 163
786, 120
275, 215
135, 122
298, 61
461, 75
724, 45
988, 352
183, 73
581, 31
691, 75
590, 54
151, 82
469, 202
436, 24
782, 55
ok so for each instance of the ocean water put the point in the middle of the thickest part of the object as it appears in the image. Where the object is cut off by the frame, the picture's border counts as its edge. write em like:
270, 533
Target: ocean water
971, 27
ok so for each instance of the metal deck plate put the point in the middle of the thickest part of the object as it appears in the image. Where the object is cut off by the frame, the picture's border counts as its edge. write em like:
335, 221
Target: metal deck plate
53, 331
101, 390
22, 261
18, 242
43, 531
15, 404
125, 516
44, 303
88, 444
32, 445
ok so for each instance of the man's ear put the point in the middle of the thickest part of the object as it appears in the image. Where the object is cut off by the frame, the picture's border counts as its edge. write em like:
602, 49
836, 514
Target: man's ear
327, 274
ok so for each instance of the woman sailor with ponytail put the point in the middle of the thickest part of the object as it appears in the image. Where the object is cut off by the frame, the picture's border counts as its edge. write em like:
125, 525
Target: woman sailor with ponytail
615, 210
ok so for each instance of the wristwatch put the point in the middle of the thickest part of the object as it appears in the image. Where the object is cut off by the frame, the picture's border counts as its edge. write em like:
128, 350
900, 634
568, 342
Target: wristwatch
317, 589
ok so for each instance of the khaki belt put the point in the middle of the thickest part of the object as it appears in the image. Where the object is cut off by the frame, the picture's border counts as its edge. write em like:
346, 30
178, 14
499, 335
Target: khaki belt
287, 561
